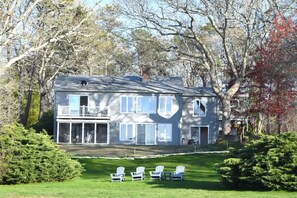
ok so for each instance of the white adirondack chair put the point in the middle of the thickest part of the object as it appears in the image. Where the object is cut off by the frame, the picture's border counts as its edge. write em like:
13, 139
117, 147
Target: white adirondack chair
119, 175
139, 174
157, 174
179, 173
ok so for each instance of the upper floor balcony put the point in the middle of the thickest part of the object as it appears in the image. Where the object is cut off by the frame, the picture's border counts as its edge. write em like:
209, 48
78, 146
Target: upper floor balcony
97, 112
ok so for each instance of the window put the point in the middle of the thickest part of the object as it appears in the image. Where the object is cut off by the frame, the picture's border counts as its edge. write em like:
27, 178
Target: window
146, 104
126, 132
78, 105
74, 102
165, 104
165, 132
200, 107
127, 104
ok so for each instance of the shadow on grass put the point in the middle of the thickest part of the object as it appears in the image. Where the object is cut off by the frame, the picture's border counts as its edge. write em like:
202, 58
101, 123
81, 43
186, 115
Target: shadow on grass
203, 185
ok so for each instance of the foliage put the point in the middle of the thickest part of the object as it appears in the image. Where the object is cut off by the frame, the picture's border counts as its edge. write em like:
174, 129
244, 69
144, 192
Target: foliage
148, 51
29, 157
272, 80
269, 163
45, 123
34, 109
8, 104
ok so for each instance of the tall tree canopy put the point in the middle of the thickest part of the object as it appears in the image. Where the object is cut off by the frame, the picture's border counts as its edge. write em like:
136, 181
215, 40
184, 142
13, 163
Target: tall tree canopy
40, 39
274, 77
236, 26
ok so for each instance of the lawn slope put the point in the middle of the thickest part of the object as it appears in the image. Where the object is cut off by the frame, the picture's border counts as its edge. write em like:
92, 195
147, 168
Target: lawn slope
201, 180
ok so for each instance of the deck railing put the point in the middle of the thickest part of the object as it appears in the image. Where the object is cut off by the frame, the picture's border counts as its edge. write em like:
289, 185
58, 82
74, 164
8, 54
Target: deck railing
83, 111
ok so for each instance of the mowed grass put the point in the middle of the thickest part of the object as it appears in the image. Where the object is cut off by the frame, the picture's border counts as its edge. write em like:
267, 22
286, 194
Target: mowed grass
201, 180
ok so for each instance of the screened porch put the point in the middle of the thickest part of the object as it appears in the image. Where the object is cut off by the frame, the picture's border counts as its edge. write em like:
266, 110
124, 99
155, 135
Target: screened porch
82, 132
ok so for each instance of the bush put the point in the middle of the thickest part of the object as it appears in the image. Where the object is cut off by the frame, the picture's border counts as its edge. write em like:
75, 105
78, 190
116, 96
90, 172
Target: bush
269, 163
27, 157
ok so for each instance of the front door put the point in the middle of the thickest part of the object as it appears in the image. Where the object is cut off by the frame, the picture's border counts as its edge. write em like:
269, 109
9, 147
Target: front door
199, 135
204, 135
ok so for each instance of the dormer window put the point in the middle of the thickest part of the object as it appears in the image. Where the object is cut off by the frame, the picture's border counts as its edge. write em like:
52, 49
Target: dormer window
83, 82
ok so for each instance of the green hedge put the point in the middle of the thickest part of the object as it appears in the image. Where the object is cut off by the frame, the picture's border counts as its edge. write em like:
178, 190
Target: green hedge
27, 157
269, 163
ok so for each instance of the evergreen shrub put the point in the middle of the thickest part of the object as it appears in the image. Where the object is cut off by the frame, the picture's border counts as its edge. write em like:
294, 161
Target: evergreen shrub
269, 163
28, 157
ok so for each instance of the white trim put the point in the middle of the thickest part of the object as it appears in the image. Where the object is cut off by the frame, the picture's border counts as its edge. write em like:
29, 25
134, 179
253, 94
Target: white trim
70, 133
58, 132
95, 133
83, 133
108, 131
83, 121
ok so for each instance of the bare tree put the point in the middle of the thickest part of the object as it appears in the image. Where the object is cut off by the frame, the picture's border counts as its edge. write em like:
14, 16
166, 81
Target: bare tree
237, 27
18, 21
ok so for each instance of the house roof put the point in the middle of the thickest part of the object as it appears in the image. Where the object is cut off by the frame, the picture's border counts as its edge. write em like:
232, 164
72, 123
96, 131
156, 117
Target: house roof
200, 91
127, 84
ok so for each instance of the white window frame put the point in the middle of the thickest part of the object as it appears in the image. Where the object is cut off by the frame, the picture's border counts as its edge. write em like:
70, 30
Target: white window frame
148, 112
163, 109
166, 139
200, 112
126, 138
126, 110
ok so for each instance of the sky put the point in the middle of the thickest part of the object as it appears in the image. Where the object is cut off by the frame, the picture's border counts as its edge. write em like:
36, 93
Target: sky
92, 2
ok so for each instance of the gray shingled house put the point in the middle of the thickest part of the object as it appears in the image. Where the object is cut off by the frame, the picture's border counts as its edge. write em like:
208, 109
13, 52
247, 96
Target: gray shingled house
133, 110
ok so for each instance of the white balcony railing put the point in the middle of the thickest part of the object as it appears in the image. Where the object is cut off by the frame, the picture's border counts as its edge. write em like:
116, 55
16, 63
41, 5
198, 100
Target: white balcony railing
83, 111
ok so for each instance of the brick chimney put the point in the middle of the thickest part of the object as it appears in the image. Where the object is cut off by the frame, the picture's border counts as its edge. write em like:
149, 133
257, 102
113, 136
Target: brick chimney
146, 75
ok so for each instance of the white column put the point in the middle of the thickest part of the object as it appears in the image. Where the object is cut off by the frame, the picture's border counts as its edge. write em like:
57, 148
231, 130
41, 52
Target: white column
58, 132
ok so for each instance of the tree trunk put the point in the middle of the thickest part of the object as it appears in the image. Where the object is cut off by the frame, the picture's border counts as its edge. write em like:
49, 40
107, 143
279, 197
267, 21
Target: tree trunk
41, 109
21, 87
268, 129
29, 98
226, 101
28, 105
44, 104
279, 128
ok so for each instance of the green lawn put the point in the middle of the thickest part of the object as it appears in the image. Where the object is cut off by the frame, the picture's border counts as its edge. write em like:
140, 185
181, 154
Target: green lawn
201, 180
